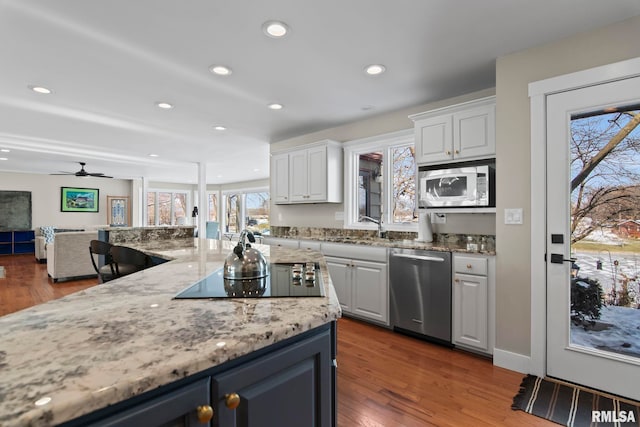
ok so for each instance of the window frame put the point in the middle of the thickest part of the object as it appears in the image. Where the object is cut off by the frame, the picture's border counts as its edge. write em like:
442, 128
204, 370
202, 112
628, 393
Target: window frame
222, 203
173, 192
352, 151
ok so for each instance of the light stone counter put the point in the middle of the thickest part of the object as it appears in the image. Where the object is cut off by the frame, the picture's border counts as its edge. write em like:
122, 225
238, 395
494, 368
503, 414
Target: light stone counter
97, 347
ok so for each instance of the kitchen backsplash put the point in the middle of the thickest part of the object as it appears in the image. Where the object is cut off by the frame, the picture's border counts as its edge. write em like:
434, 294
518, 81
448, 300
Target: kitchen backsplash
333, 233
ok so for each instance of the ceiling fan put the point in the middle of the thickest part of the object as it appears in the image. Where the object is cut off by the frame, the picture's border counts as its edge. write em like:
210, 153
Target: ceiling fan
83, 172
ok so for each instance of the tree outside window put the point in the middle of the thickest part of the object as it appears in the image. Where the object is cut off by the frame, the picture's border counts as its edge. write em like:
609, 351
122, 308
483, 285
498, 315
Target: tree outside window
257, 212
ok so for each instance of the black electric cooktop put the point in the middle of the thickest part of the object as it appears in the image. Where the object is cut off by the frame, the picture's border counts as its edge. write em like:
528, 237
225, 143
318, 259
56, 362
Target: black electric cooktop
283, 280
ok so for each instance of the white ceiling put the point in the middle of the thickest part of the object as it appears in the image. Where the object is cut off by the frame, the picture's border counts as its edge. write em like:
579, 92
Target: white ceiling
108, 62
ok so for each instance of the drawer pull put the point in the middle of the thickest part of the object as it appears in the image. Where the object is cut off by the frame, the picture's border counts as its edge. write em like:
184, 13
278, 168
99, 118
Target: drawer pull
205, 413
232, 400
469, 266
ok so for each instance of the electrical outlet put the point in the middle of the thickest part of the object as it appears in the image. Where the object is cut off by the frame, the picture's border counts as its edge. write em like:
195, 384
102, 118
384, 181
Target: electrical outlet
339, 216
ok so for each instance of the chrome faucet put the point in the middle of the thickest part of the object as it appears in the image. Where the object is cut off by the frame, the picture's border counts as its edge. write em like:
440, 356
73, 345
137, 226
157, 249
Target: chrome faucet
381, 234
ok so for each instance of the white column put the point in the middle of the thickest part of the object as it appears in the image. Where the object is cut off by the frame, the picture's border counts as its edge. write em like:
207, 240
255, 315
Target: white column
203, 205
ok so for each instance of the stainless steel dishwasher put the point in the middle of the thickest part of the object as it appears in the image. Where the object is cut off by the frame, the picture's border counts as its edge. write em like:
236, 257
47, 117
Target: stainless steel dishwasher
420, 293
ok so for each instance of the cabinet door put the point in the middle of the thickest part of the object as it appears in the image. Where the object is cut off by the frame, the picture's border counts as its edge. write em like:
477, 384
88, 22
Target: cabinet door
434, 139
177, 408
370, 291
470, 313
298, 173
289, 388
474, 133
317, 174
340, 272
280, 178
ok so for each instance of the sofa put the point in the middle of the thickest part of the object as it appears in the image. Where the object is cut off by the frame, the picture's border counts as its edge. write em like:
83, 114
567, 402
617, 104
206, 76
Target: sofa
68, 255
46, 234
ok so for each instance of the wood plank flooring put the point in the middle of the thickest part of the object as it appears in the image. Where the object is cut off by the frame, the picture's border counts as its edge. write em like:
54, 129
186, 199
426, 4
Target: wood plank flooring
27, 284
384, 379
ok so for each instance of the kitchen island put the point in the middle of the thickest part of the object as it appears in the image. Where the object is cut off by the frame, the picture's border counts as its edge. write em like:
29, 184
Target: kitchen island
121, 341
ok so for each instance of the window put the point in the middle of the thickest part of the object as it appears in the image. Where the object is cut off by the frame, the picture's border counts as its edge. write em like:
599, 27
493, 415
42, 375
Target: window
167, 207
380, 174
213, 206
246, 209
257, 212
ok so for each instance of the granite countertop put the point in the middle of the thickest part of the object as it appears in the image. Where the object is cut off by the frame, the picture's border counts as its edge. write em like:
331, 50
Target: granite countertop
100, 346
399, 243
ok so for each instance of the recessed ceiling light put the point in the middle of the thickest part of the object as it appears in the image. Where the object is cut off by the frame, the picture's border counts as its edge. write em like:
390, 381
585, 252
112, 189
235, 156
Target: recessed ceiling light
220, 70
375, 69
275, 29
256, 170
153, 155
220, 128
218, 176
275, 106
164, 105
5, 150
3, 158
40, 89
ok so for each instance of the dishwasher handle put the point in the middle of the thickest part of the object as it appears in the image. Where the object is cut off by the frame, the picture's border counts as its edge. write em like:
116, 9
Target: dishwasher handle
419, 257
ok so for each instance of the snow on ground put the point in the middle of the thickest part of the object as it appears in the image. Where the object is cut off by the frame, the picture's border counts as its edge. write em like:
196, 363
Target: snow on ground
605, 236
622, 336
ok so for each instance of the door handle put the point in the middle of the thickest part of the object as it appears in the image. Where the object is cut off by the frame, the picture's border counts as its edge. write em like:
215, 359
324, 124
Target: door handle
559, 259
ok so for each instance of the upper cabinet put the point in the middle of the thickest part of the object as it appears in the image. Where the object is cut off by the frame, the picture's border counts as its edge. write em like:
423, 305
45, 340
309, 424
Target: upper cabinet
460, 132
312, 174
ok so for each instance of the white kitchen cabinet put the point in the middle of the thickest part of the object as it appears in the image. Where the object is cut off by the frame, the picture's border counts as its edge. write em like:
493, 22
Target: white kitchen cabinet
457, 133
280, 178
473, 302
362, 285
312, 174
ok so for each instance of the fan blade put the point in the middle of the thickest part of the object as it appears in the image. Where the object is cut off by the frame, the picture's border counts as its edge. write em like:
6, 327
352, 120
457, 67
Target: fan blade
99, 175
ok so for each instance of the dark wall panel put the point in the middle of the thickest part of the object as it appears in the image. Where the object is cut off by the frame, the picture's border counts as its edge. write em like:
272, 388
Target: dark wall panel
15, 210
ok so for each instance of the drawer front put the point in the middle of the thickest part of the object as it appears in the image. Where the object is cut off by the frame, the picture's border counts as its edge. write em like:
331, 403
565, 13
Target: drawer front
310, 244
353, 251
470, 265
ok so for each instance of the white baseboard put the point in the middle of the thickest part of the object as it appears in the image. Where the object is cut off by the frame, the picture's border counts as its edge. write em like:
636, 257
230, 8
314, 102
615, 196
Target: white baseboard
512, 361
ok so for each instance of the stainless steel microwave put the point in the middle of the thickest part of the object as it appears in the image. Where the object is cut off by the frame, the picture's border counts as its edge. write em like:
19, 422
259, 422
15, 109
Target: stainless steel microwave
457, 185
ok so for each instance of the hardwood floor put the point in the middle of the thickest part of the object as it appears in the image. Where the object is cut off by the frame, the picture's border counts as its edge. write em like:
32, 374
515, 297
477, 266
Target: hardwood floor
388, 379
27, 284
384, 378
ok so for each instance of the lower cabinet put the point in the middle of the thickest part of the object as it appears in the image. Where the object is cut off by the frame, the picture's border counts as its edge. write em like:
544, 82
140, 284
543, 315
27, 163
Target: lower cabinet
473, 307
181, 407
290, 386
362, 288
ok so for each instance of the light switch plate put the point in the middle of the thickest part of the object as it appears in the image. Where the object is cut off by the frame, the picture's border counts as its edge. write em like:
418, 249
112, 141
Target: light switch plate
513, 216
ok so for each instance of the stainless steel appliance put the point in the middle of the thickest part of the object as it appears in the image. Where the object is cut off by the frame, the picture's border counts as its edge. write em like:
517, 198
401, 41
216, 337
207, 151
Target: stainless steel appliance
459, 185
420, 293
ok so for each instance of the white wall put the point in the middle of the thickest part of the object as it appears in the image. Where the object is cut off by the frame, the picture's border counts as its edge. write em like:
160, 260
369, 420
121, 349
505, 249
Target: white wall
45, 197
323, 214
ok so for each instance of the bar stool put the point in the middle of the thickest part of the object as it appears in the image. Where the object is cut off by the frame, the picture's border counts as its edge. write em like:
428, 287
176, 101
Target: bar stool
128, 260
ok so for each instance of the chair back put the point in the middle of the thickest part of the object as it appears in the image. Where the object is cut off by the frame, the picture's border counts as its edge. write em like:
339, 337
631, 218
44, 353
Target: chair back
212, 229
128, 260
105, 270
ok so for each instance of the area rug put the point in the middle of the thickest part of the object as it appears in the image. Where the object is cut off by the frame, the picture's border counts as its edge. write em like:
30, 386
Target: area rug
577, 406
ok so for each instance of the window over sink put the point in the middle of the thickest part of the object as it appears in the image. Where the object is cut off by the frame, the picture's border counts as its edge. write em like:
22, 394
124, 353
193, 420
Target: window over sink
380, 182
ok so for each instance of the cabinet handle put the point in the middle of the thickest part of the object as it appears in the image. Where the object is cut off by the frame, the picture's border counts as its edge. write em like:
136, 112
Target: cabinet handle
457, 280
205, 413
232, 400
457, 151
448, 152
469, 266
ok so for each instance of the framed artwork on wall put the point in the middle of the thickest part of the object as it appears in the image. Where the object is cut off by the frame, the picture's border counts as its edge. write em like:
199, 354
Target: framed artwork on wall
118, 211
79, 199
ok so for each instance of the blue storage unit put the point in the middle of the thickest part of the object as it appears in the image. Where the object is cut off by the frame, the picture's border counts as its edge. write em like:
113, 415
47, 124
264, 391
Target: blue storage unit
17, 242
